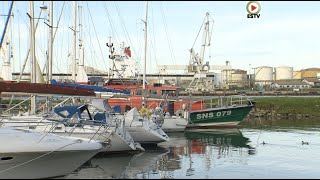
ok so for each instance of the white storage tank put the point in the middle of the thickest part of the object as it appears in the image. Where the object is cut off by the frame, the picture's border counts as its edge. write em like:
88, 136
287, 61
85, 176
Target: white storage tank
217, 79
230, 75
238, 75
283, 72
296, 75
263, 73
226, 75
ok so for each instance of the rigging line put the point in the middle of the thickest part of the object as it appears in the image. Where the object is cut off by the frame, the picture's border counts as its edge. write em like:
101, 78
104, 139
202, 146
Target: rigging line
37, 42
31, 160
154, 44
198, 33
28, 27
168, 39
210, 34
113, 31
87, 34
6, 23
124, 26
95, 33
11, 41
92, 50
19, 41
55, 32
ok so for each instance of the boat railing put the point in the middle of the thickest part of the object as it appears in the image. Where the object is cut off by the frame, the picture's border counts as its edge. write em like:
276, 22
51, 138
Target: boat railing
16, 105
53, 123
225, 101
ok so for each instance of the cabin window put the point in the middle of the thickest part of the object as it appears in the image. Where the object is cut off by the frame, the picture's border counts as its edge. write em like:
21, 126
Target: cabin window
151, 91
169, 92
139, 92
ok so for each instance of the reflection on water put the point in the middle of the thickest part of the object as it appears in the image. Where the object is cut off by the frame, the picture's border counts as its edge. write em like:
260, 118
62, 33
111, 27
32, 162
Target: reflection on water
223, 153
103, 167
180, 154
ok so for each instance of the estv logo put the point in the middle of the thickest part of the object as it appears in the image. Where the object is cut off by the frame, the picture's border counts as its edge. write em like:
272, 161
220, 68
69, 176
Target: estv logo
253, 9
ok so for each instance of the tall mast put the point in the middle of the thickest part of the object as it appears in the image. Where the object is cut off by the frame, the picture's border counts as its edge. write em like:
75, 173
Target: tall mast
145, 47
33, 59
74, 43
82, 76
6, 25
50, 53
32, 43
145, 53
7, 49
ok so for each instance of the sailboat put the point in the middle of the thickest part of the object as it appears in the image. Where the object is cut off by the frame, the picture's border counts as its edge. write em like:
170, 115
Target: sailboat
120, 142
26, 154
143, 131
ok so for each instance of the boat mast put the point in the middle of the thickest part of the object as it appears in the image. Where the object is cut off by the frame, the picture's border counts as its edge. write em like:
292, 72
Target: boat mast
50, 53
145, 55
82, 76
32, 50
32, 43
6, 25
74, 43
7, 50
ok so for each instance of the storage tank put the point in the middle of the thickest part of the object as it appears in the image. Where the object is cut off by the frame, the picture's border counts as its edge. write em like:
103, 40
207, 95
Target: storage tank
310, 72
283, 72
217, 79
229, 75
238, 75
226, 75
263, 73
296, 75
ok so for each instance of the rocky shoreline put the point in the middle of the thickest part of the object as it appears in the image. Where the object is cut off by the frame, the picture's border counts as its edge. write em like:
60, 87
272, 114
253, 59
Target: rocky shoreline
265, 113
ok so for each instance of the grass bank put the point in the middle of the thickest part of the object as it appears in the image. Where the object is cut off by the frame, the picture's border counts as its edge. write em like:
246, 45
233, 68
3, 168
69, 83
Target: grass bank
287, 106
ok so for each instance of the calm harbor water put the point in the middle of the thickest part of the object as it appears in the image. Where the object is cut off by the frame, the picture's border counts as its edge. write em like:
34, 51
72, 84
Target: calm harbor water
232, 153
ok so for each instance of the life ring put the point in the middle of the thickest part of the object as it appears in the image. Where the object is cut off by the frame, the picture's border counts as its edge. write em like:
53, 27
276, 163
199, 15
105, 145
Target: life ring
179, 113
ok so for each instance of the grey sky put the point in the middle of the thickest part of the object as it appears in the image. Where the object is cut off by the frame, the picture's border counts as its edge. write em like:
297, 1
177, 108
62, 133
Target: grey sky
287, 33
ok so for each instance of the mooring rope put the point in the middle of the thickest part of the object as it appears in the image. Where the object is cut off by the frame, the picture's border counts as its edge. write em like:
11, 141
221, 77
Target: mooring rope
77, 141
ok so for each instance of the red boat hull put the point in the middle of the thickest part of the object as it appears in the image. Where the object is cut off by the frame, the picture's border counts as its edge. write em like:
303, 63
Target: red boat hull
37, 88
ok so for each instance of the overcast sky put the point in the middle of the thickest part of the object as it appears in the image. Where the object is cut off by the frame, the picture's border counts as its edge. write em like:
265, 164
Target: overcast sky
286, 34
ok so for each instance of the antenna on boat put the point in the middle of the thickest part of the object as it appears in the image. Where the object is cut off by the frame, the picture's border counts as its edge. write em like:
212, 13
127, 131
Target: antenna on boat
111, 56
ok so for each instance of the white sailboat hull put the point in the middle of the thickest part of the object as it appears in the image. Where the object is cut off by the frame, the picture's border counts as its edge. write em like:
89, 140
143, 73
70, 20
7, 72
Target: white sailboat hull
143, 131
172, 124
146, 136
117, 142
56, 164
26, 154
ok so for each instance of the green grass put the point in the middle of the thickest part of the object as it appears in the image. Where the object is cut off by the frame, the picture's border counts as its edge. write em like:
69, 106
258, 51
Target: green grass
296, 105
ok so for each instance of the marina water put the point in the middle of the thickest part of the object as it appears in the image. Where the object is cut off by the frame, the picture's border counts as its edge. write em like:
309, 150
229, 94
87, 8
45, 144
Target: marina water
268, 149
